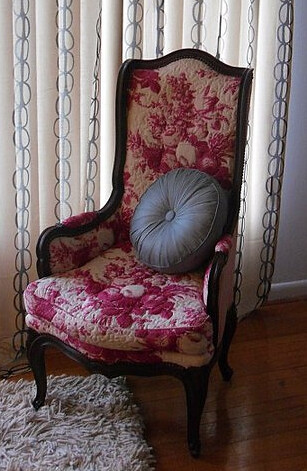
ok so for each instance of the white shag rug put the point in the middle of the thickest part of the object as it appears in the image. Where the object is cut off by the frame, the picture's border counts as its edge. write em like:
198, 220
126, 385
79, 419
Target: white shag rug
87, 424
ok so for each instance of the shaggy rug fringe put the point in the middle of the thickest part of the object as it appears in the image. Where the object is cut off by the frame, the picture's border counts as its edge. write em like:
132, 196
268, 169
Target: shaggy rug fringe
88, 424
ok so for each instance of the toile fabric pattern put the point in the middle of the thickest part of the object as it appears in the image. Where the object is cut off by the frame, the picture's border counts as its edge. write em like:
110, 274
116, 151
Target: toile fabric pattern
177, 120
66, 253
117, 308
174, 120
100, 299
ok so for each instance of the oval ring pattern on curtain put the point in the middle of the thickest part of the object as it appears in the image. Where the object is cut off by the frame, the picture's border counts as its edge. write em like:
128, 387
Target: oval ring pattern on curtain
49, 124
65, 84
276, 149
94, 128
21, 176
244, 189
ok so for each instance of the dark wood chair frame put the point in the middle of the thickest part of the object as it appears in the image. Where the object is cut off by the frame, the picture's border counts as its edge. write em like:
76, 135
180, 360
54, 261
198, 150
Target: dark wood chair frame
194, 379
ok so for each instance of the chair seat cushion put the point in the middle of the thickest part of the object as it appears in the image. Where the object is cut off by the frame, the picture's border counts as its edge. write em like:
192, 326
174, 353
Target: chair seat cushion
178, 221
114, 308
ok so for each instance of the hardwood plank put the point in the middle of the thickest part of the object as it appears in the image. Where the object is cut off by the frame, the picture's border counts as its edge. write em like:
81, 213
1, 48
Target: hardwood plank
258, 422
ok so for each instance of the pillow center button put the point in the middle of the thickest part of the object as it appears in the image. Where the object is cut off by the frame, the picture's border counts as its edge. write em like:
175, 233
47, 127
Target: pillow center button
169, 216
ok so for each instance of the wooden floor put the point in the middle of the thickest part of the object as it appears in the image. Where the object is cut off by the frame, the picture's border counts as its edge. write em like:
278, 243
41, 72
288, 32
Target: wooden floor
256, 423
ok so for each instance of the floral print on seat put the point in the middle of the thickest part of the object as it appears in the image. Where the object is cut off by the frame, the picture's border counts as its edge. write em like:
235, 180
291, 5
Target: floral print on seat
116, 308
100, 299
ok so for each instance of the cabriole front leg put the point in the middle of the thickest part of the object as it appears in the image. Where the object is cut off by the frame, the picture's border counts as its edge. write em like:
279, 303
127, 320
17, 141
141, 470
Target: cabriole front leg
196, 387
36, 358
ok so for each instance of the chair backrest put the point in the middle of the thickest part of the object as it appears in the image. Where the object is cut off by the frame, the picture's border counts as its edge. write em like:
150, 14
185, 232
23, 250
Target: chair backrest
186, 109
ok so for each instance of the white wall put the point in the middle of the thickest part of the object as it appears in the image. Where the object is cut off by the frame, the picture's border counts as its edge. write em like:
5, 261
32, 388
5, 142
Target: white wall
290, 277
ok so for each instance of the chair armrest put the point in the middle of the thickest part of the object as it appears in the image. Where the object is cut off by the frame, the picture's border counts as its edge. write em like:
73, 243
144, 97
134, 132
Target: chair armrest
218, 289
74, 242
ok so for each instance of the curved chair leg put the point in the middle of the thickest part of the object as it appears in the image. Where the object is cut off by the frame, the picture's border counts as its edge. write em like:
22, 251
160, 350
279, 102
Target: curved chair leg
196, 386
230, 328
36, 357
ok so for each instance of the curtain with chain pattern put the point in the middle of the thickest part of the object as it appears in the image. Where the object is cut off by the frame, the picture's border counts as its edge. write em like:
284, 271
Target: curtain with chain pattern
59, 62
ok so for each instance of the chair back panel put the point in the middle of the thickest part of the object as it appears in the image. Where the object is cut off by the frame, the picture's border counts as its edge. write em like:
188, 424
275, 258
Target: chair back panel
182, 114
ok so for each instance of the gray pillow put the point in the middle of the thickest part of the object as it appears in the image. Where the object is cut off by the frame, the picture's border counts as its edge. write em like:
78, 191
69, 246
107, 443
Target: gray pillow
178, 221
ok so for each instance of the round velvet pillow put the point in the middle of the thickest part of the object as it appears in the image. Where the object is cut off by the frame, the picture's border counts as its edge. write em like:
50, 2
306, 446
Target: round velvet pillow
178, 221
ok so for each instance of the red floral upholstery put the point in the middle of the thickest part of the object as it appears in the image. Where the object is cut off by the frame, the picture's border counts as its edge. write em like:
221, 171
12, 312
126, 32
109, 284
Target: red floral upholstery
94, 300
179, 116
115, 308
66, 253
174, 120
100, 300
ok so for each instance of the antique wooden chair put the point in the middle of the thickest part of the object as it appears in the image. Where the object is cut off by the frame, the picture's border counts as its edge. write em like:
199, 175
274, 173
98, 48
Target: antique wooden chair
98, 298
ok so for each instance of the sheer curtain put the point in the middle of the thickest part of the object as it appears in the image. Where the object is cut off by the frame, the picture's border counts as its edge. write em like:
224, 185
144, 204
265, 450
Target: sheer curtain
59, 62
